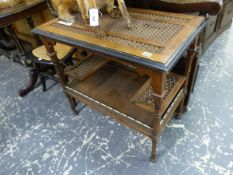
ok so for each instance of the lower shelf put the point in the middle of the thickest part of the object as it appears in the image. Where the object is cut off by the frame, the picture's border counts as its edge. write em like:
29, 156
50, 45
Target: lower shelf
110, 90
86, 67
145, 98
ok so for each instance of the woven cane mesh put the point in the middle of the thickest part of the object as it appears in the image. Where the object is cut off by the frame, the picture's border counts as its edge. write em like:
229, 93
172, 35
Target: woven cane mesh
74, 29
80, 71
143, 29
150, 32
147, 98
134, 44
159, 17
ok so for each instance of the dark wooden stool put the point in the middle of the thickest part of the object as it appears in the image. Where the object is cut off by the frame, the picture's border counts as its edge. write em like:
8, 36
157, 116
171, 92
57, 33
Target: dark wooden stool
43, 63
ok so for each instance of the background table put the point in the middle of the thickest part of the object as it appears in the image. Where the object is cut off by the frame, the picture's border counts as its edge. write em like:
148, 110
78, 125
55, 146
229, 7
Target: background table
22, 11
13, 14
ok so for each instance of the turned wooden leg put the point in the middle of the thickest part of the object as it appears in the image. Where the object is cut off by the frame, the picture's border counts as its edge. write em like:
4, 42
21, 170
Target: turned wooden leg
73, 103
35, 72
196, 63
189, 65
59, 70
153, 150
181, 110
16, 40
31, 84
71, 100
158, 82
32, 26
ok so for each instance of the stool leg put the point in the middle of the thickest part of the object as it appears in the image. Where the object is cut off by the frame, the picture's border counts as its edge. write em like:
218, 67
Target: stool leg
42, 78
43, 82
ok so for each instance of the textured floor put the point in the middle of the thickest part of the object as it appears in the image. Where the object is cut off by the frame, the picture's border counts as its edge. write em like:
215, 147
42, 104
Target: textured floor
40, 135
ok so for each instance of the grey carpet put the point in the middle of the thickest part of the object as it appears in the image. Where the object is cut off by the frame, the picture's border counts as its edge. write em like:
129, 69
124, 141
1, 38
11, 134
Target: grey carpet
40, 135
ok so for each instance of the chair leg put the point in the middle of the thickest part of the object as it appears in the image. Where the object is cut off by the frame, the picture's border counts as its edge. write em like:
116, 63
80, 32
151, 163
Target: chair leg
43, 82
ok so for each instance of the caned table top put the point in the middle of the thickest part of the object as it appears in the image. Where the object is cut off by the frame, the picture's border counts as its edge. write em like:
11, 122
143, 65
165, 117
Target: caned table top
157, 39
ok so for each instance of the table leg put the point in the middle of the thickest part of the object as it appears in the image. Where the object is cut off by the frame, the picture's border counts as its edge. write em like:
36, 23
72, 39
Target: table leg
6, 43
59, 70
189, 66
16, 40
35, 71
158, 80
196, 61
31, 84
32, 26
154, 141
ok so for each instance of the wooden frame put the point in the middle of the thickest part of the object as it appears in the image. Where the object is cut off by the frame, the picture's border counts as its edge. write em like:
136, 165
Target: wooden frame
111, 88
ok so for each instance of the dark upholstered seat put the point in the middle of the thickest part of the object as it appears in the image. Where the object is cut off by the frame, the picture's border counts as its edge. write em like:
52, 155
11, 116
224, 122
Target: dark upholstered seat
211, 7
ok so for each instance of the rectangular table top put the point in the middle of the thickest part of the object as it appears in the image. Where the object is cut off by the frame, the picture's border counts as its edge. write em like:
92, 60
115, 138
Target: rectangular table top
157, 39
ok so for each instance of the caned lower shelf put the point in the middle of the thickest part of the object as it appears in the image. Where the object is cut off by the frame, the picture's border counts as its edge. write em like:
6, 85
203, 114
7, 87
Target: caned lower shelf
85, 67
111, 90
145, 96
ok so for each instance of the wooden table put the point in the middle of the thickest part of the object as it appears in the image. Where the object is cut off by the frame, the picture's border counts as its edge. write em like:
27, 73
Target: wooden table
22, 11
131, 76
